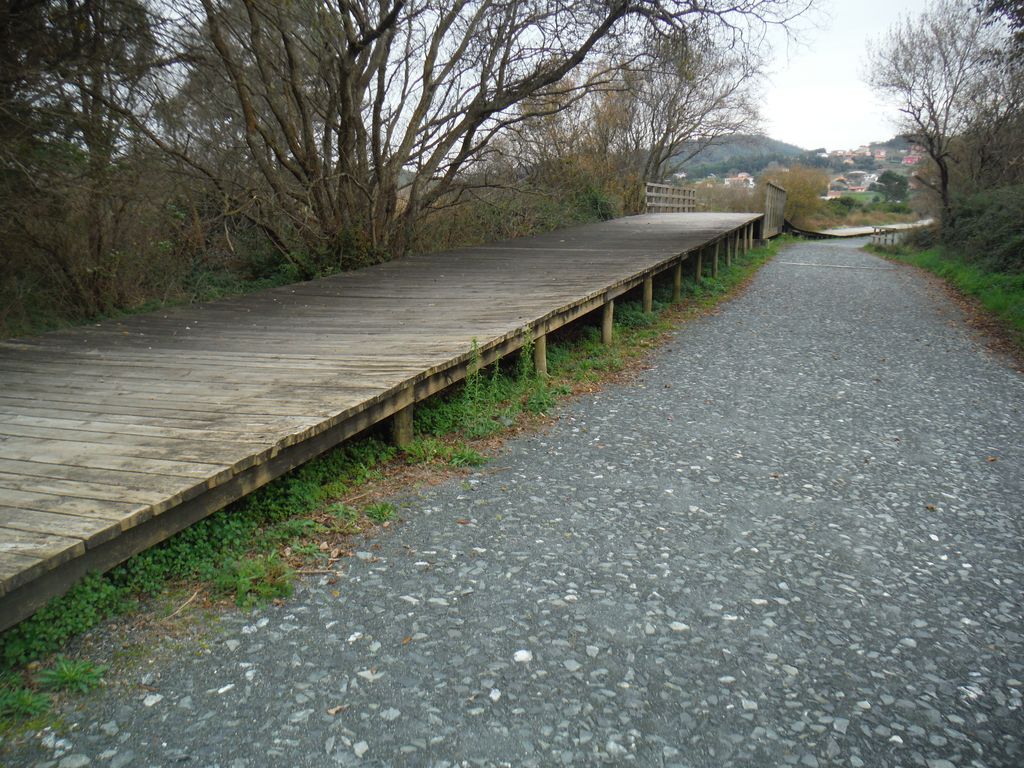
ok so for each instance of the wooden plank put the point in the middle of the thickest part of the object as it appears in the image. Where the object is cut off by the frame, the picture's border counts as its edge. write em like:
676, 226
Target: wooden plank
16, 570
51, 452
101, 477
48, 547
148, 492
143, 449
50, 502
90, 530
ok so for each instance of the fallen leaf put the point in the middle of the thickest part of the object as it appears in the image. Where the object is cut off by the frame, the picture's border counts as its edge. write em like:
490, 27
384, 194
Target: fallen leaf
332, 711
930, 507
406, 640
462, 522
991, 458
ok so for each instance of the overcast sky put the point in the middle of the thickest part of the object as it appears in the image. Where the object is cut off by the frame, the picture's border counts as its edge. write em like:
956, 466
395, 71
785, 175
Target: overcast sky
816, 96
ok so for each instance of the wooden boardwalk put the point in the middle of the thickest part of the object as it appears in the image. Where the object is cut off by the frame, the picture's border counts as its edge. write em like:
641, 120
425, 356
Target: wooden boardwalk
114, 436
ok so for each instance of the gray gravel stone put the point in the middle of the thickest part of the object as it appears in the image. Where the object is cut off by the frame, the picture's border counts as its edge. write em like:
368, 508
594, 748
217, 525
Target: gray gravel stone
784, 544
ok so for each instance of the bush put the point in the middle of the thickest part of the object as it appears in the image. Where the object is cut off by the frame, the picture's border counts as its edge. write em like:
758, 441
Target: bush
988, 228
841, 206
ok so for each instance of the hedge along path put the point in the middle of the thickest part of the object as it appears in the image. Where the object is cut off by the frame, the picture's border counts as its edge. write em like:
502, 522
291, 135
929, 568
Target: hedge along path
115, 436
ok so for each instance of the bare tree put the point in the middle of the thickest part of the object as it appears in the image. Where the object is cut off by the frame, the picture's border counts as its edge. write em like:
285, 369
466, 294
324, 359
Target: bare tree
936, 67
357, 116
990, 152
688, 95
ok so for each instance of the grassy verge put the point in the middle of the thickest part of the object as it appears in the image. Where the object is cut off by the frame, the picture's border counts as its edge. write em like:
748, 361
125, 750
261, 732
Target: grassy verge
1000, 293
251, 551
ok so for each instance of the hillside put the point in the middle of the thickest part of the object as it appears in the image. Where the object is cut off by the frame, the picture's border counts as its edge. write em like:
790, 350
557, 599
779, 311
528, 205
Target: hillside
742, 147
744, 152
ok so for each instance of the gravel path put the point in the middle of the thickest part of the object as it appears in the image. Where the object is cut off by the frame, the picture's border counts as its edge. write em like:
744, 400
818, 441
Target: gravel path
795, 541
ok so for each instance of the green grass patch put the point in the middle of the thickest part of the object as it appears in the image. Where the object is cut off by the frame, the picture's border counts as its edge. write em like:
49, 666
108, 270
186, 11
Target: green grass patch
19, 703
255, 580
490, 400
74, 675
1001, 293
381, 512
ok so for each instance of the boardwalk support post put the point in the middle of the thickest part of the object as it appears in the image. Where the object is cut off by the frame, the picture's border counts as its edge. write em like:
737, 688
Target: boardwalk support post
540, 355
677, 283
401, 422
648, 294
607, 316
698, 266
714, 263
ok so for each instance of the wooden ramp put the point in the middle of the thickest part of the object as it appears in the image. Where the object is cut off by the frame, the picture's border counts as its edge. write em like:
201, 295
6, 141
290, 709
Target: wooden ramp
117, 435
841, 232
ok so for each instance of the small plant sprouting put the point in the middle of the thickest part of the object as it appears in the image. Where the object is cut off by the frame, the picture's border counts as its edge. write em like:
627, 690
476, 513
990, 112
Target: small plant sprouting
256, 580
19, 702
346, 518
464, 456
70, 675
425, 450
380, 512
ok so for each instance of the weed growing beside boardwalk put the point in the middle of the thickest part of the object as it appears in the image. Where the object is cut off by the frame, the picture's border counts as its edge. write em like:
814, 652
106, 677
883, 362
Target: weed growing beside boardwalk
251, 551
1001, 293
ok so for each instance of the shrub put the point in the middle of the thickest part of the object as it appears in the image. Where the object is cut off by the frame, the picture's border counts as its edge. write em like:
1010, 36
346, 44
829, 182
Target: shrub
988, 227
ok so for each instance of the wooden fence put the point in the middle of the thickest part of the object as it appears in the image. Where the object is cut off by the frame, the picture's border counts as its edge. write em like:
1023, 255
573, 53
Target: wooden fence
774, 211
885, 236
665, 198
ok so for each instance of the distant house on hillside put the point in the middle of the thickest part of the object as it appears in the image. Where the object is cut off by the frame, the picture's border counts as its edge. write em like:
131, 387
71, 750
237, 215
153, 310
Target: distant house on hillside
857, 181
836, 187
880, 154
740, 180
911, 159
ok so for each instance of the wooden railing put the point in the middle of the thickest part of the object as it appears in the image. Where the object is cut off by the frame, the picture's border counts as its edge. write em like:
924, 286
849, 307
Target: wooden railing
774, 211
665, 198
885, 236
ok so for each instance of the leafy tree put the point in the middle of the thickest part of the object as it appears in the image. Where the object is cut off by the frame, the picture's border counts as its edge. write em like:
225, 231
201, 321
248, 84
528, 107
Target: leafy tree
893, 186
804, 190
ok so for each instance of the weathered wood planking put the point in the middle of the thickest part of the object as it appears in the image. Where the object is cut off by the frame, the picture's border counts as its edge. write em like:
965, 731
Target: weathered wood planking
115, 436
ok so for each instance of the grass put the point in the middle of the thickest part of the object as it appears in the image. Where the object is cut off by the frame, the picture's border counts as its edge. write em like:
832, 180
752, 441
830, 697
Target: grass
73, 675
255, 580
1000, 293
250, 551
26, 701
19, 701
